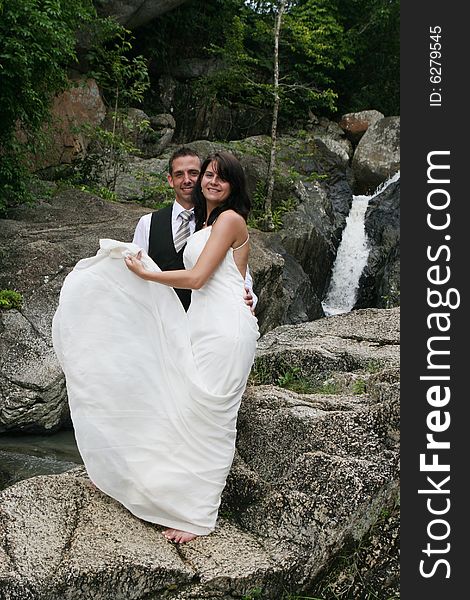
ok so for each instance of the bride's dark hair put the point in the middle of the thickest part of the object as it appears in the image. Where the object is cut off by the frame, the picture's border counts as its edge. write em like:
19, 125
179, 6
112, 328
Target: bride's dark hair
229, 169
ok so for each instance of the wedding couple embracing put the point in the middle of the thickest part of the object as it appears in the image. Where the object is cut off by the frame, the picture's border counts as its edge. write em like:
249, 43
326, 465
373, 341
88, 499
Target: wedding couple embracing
156, 339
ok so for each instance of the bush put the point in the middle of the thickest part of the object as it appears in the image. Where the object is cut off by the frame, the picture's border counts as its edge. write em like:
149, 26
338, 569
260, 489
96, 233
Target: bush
10, 299
37, 46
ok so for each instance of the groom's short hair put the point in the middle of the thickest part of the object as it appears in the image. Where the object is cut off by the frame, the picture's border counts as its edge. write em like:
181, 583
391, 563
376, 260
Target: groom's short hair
183, 151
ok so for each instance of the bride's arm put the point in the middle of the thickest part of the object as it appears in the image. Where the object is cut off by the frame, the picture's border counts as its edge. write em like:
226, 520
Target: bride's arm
229, 229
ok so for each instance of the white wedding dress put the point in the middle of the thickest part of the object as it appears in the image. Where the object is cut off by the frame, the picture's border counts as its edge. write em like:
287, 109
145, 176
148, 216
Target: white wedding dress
154, 392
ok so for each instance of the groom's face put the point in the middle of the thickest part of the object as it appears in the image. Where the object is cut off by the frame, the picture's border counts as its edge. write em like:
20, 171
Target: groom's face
185, 171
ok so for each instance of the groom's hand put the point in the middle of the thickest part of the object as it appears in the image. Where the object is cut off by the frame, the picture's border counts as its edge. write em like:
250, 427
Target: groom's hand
248, 299
134, 264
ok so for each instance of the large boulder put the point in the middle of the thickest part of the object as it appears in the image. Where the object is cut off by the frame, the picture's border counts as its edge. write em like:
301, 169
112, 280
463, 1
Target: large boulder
334, 138
312, 475
377, 156
284, 290
80, 105
149, 134
133, 13
356, 124
379, 284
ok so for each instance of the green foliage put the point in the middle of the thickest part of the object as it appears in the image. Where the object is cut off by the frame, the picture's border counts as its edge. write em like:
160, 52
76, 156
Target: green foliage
392, 298
333, 56
157, 192
296, 597
10, 299
254, 594
37, 48
374, 366
359, 387
288, 376
37, 45
329, 387
372, 31
280, 208
107, 156
310, 48
123, 80
239, 54
101, 191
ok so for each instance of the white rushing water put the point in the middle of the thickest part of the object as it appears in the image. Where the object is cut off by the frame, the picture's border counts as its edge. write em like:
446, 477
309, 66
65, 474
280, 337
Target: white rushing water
351, 257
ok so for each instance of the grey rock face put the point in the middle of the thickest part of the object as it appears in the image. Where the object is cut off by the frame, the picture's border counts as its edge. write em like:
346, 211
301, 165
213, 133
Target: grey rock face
312, 474
379, 284
332, 344
377, 156
150, 135
140, 177
133, 13
333, 137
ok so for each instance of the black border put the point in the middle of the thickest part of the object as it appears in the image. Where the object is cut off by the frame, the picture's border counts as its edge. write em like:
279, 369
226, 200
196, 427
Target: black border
428, 128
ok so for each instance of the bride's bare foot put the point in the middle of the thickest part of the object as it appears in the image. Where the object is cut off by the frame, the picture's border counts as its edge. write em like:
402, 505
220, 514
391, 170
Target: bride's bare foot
180, 537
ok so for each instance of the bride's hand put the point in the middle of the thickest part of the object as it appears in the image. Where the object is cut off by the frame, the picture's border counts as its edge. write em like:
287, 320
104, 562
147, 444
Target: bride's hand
134, 263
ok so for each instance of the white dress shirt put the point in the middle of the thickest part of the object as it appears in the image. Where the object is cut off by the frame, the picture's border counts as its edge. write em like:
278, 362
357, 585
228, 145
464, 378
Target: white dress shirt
142, 235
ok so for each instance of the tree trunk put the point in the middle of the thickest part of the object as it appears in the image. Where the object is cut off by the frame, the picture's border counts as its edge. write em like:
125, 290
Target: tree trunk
272, 163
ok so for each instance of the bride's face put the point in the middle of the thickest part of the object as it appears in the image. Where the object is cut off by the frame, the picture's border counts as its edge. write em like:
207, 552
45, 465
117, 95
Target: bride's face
215, 189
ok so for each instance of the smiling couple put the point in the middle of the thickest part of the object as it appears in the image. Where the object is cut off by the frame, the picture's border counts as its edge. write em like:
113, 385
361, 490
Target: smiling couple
156, 232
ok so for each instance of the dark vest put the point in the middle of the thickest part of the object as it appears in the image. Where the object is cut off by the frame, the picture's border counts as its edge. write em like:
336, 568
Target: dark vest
162, 250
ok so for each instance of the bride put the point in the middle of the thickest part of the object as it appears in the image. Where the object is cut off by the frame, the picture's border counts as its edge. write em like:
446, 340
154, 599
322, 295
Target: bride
154, 391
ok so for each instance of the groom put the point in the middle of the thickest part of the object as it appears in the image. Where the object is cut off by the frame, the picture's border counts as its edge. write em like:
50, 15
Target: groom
156, 232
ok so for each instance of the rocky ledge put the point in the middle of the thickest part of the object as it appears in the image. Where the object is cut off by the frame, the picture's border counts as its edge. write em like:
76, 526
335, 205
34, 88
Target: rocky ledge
313, 475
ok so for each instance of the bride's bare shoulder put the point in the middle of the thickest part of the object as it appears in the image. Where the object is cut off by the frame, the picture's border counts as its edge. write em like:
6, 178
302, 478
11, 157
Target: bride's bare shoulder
230, 218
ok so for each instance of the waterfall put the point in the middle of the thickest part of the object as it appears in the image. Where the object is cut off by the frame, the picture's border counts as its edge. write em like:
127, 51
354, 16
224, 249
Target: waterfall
351, 257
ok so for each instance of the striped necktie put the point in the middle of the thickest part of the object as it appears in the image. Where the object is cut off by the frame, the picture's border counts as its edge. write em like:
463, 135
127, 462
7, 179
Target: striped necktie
183, 231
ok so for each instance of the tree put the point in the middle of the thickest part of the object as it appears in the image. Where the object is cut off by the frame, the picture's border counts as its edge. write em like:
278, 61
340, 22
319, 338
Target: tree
37, 45
312, 52
372, 32
272, 162
123, 80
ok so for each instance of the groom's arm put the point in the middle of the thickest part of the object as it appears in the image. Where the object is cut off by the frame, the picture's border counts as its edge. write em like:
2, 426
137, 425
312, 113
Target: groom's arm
250, 297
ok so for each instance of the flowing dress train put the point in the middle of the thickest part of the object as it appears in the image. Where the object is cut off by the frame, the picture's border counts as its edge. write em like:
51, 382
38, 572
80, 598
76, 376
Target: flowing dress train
154, 392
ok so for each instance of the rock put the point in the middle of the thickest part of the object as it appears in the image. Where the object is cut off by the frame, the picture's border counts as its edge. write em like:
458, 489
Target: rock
266, 268
308, 235
356, 124
143, 179
134, 13
312, 474
333, 137
194, 67
40, 246
150, 135
328, 345
341, 148
167, 88
32, 388
78, 106
373, 567
377, 156
379, 284
284, 290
